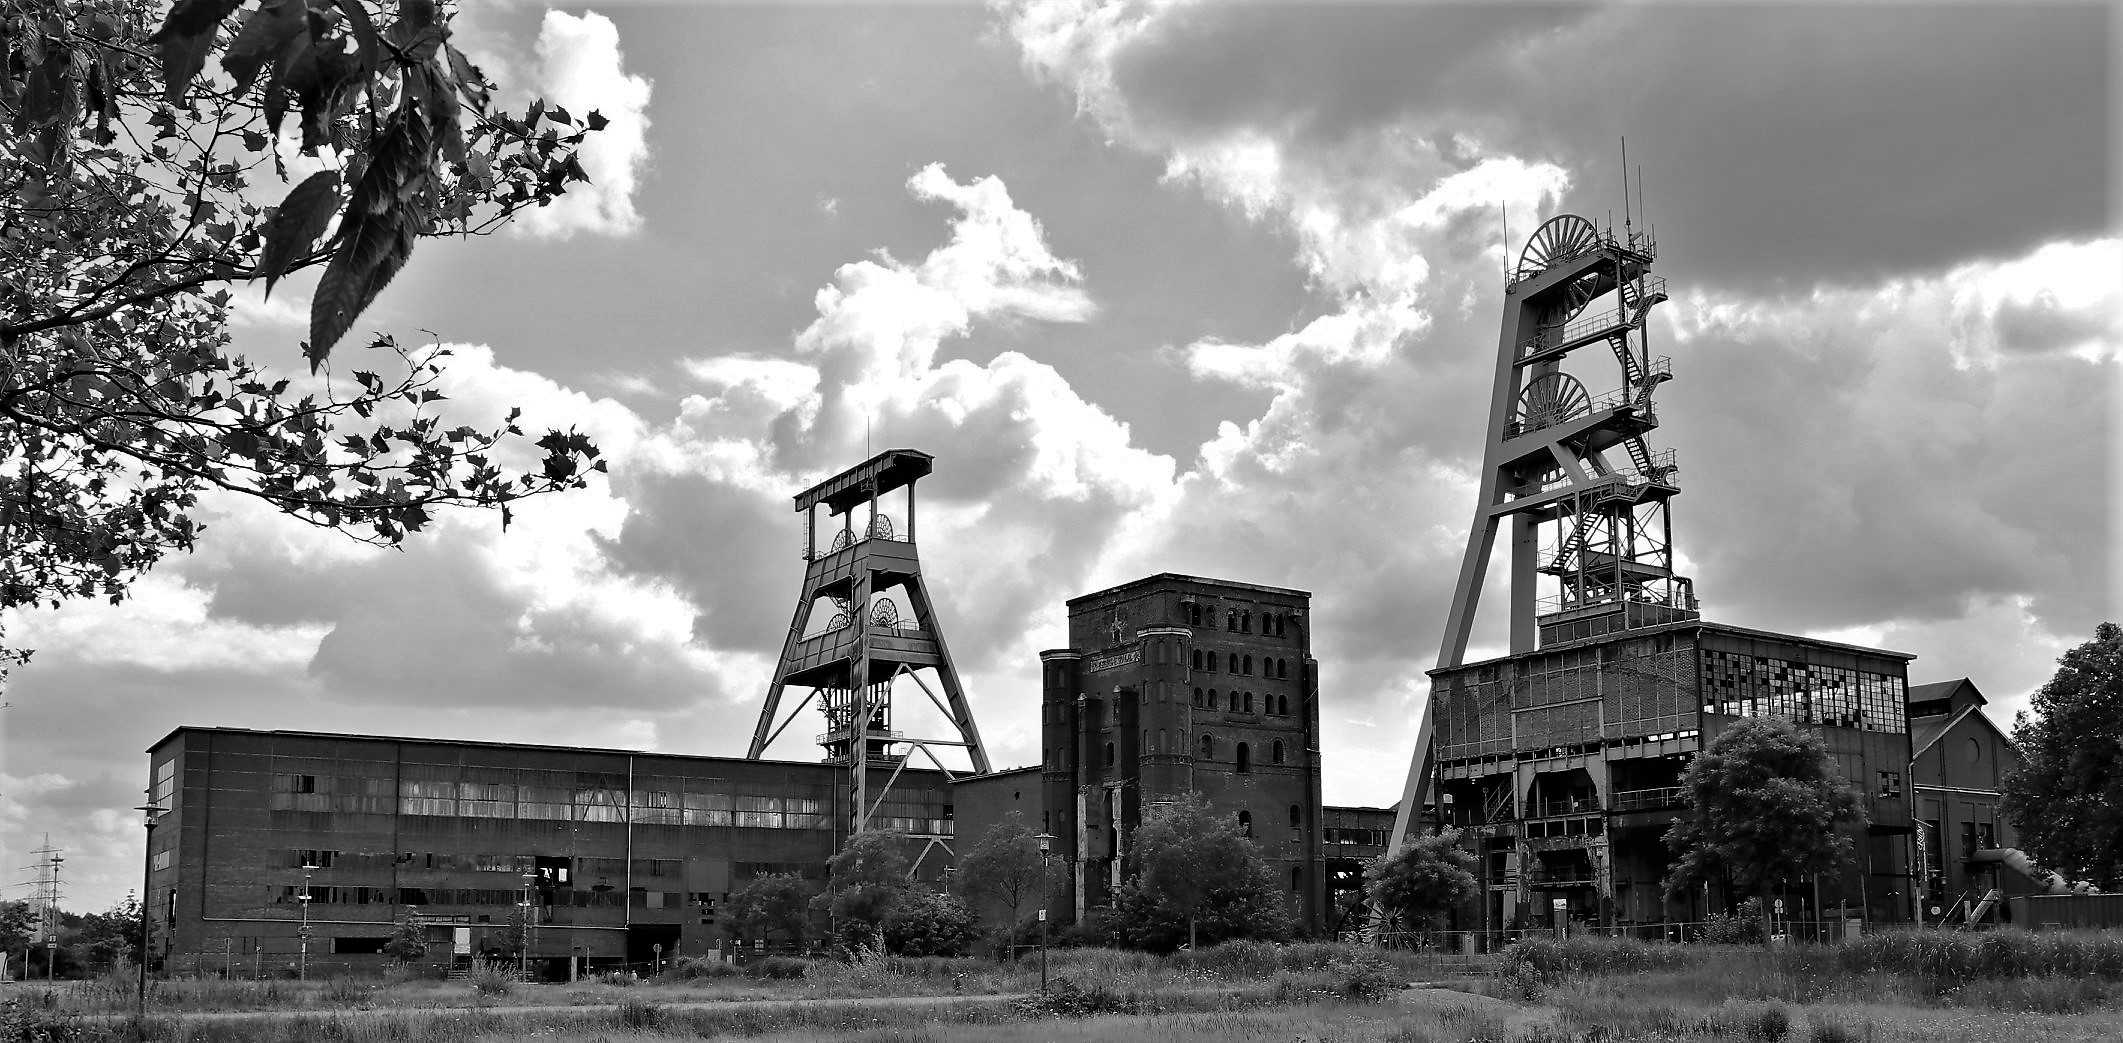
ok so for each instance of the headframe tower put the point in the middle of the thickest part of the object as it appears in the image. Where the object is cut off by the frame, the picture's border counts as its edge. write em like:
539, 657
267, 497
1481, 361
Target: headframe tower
1586, 496
851, 661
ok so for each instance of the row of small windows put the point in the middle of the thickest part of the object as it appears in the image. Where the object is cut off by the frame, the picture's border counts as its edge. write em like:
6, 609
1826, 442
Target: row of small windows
1242, 755
1242, 702
1238, 621
1235, 663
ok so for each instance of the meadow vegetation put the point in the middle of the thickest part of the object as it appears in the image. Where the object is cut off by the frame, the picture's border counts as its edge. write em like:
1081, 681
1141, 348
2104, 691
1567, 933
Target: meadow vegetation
2065, 986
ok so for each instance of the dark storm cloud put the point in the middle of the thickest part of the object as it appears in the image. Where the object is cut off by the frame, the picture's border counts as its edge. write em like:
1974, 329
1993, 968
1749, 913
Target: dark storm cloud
1784, 145
1850, 486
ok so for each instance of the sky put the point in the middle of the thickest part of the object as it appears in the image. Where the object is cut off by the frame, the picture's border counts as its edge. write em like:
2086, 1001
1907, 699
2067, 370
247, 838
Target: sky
1208, 289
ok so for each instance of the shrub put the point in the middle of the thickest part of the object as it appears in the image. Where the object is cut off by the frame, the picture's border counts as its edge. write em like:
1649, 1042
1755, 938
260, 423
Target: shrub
1365, 978
1066, 999
1740, 928
491, 978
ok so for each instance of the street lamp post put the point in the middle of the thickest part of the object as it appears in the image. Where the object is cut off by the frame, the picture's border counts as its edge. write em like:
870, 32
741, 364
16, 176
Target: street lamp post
302, 965
1046, 845
523, 948
151, 812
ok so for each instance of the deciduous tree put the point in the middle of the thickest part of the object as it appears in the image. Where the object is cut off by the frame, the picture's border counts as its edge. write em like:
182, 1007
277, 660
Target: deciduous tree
774, 902
1192, 860
154, 158
1424, 881
408, 940
2066, 799
1005, 867
1765, 804
865, 882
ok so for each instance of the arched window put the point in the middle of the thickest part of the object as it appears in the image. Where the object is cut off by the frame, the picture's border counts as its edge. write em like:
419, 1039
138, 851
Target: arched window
1249, 702
1297, 878
1245, 822
1208, 746
1231, 662
1212, 698
1282, 703
1282, 668
1242, 760
1296, 820
1275, 752
1231, 619
1280, 623
1245, 622
1197, 697
1197, 659
1109, 755
1246, 665
1146, 741
1161, 747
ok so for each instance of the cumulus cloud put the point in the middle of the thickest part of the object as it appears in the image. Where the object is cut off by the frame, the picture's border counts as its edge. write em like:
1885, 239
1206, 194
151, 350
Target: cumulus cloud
1872, 394
580, 68
1016, 511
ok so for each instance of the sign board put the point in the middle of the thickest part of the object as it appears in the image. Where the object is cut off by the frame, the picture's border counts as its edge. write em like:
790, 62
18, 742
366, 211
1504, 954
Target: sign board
1109, 662
1042, 916
1780, 905
460, 941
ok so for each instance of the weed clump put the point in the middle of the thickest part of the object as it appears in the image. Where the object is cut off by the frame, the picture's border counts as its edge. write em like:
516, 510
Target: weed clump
1066, 999
491, 978
640, 1014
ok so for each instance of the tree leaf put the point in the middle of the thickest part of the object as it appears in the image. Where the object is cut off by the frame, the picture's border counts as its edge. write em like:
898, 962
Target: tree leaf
595, 120
265, 33
184, 40
301, 218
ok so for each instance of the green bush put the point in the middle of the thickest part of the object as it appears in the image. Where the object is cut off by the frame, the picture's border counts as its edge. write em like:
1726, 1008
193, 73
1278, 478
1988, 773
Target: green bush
1365, 978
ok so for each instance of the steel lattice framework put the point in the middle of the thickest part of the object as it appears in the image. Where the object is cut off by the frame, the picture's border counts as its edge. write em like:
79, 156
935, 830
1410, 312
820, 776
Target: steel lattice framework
869, 641
1587, 498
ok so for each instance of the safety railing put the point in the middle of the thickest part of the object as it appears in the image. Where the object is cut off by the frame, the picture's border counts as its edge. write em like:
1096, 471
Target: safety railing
1648, 799
1589, 325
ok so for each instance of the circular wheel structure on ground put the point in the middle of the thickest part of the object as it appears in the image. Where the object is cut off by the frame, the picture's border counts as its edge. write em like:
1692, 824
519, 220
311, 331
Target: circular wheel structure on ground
1551, 399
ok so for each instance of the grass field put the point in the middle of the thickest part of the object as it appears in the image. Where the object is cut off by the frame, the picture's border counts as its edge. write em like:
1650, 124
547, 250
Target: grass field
2055, 988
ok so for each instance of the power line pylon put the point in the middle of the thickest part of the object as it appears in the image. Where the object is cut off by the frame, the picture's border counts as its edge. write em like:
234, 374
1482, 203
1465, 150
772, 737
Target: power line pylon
1586, 496
868, 641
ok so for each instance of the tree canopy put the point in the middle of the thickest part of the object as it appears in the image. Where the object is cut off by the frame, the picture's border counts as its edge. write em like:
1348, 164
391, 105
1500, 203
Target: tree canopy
1194, 867
153, 160
774, 902
1005, 867
2064, 799
1765, 804
1424, 881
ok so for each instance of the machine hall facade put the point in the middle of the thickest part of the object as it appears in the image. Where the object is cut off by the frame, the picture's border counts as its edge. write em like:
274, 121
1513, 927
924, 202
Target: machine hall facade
621, 856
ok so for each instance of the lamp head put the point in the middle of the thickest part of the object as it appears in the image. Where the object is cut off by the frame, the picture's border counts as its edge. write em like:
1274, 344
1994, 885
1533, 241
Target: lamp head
1046, 842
